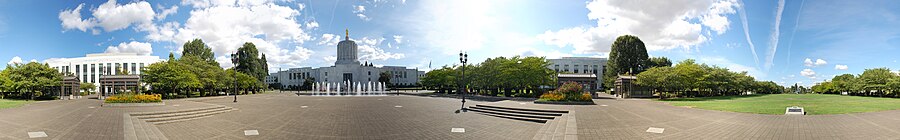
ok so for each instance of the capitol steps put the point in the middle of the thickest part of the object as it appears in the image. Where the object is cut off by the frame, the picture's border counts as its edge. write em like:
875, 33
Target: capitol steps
521, 114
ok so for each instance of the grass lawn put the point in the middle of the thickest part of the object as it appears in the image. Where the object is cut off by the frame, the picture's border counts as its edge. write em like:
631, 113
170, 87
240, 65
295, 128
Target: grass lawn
4, 103
815, 104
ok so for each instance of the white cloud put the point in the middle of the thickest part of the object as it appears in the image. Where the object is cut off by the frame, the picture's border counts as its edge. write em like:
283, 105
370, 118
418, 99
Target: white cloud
360, 10
369, 51
300, 6
166, 12
329, 59
840, 67
71, 19
670, 24
820, 62
227, 25
312, 25
398, 39
329, 40
139, 48
809, 63
808, 73
715, 19
15, 60
213, 3
112, 16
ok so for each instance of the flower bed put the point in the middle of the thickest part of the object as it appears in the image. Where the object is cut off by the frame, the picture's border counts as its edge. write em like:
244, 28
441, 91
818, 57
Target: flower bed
568, 92
134, 98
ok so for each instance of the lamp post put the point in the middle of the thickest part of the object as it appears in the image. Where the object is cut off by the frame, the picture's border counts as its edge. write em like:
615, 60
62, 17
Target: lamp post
234, 60
463, 58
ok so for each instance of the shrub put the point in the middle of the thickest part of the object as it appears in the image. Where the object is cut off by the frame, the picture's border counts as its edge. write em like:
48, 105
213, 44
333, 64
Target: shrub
134, 98
569, 91
551, 96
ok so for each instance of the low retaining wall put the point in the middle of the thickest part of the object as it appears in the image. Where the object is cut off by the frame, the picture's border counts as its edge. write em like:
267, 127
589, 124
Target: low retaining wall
566, 103
133, 104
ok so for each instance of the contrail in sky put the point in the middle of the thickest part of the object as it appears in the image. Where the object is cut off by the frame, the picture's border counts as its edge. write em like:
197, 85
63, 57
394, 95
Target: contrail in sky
747, 32
794, 31
773, 40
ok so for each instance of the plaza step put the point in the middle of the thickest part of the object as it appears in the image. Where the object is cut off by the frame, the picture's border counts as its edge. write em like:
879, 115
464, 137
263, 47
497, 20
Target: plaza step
514, 113
175, 114
517, 111
187, 116
513, 117
485, 110
176, 111
526, 109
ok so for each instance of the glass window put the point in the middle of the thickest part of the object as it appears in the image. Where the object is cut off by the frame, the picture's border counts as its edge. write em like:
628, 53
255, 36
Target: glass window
133, 68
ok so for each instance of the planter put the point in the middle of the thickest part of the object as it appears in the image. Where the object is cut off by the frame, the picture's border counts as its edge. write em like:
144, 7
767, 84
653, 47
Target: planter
566, 102
134, 104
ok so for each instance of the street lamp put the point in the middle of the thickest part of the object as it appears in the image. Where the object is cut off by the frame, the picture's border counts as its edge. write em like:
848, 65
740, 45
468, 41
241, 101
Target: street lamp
463, 58
234, 60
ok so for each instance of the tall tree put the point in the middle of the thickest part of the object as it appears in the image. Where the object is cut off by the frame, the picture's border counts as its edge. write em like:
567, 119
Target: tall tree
264, 69
197, 48
627, 55
249, 62
171, 57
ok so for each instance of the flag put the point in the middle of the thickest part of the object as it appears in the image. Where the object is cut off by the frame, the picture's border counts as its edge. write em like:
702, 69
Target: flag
429, 64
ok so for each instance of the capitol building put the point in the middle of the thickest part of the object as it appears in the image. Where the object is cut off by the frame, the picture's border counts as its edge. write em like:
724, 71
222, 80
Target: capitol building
346, 68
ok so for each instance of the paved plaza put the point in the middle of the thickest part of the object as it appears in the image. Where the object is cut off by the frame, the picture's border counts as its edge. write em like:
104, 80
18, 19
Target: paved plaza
287, 116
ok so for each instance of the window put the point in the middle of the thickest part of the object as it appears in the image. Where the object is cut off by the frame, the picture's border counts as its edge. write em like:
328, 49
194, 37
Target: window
370, 72
125, 68
576, 70
326, 74
133, 68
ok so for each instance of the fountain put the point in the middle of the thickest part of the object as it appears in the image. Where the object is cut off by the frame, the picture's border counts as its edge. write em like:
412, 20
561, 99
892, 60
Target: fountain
348, 88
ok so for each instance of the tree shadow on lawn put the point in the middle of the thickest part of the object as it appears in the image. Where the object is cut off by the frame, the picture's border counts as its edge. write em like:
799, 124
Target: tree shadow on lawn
713, 98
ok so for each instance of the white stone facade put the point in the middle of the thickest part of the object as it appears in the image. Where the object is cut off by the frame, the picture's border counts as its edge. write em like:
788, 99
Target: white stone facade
582, 65
89, 68
346, 68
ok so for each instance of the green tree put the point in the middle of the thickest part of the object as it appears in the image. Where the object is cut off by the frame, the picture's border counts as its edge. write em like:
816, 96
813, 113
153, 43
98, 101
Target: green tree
385, 77
207, 73
659, 62
250, 63
875, 80
87, 87
442, 79
627, 55
842, 83
33, 79
196, 48
169, 76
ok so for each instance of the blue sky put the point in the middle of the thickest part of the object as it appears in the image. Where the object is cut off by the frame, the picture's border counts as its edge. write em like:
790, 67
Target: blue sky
772, 40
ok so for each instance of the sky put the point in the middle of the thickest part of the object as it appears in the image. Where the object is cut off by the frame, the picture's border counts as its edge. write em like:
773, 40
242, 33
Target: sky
793, 41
